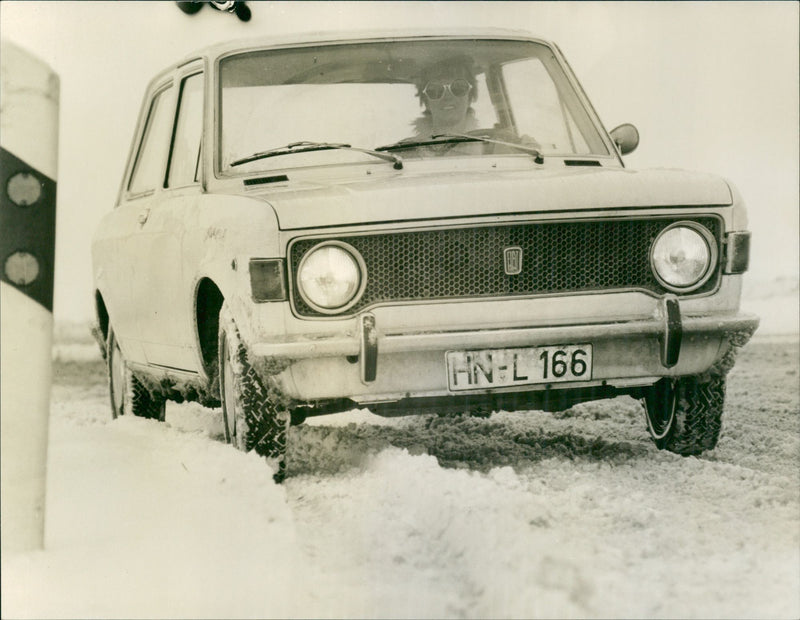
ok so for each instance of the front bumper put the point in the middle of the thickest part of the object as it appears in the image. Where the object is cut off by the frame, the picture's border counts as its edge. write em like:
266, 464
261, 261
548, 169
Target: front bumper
373, 366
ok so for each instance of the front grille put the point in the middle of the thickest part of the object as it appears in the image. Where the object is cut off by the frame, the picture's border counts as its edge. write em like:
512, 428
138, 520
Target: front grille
558, 257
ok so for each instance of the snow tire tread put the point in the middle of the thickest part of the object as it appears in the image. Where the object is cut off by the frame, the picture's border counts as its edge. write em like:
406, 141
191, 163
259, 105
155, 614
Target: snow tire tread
142, 403
698, 415
263, 424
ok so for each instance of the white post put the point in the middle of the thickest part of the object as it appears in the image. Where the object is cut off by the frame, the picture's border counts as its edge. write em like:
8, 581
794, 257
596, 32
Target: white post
29, 92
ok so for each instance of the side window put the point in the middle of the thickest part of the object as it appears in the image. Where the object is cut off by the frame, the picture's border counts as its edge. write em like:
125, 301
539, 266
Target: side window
185, 159
148, 170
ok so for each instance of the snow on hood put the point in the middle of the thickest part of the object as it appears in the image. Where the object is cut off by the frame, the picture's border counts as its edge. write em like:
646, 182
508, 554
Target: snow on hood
410, 196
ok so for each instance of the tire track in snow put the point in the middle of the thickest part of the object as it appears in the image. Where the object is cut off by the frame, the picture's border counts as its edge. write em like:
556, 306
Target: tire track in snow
523, 514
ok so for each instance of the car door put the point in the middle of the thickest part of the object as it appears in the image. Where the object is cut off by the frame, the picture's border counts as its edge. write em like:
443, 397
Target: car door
166, 321
120, 245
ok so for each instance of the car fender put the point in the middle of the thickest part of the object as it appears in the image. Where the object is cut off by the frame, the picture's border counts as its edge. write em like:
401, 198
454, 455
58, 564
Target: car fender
222, 234
739, 216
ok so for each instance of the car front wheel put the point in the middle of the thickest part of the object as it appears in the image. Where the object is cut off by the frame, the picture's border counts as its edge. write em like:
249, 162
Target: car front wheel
128, 394
253, 420
684, 415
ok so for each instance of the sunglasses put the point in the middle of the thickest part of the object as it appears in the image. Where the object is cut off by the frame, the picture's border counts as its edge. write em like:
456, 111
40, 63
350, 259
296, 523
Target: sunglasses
458, 88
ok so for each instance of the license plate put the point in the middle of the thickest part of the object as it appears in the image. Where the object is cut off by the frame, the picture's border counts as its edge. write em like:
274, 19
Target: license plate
493, 368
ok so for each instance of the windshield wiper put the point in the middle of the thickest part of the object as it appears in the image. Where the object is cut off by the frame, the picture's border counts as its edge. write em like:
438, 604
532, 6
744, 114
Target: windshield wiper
306, 146
452, 138
438, 139
537, 155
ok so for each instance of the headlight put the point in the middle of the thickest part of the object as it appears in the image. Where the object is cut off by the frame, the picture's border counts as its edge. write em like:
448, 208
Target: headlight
331, 277
683, 256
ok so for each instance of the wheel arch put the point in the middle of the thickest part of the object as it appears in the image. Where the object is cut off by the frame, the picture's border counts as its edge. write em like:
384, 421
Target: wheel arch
208, 303
101, 314
102, 322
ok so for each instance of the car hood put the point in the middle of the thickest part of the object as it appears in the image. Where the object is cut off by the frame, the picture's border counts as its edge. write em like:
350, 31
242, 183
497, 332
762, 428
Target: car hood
408, 196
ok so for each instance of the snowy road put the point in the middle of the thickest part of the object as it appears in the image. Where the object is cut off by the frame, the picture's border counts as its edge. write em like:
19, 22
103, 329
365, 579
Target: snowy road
521, 515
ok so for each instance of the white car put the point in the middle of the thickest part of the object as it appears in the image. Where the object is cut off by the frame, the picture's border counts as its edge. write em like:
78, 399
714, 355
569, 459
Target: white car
409, 223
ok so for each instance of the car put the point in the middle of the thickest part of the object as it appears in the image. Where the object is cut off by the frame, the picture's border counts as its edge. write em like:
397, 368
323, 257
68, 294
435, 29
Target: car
409, 222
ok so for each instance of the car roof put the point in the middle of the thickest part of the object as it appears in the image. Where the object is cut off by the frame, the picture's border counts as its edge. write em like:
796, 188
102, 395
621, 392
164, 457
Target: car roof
223, 48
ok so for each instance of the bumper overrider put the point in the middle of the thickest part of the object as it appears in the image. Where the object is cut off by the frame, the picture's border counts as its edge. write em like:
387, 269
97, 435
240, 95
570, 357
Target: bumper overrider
387, 370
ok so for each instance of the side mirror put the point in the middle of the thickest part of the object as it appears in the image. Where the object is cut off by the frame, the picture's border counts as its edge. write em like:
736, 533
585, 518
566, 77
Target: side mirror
626, 137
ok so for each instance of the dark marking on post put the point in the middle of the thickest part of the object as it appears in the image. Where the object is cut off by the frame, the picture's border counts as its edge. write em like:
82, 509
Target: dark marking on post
28, 225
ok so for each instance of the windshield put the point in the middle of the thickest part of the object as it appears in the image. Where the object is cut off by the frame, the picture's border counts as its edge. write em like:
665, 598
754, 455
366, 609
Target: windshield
398, 96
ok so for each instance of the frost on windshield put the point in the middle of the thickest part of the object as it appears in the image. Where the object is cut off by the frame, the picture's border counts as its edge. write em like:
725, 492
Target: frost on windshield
377, 94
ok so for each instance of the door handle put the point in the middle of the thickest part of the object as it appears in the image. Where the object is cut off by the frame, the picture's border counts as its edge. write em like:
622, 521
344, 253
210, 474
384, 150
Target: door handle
143, 215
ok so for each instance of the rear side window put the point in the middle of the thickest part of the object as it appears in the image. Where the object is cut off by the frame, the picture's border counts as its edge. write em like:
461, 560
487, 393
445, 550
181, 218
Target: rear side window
185, 158
149, 167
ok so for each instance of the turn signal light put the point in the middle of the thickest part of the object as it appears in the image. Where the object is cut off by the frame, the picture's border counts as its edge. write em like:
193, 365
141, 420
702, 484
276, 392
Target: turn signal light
267, 280
737, 252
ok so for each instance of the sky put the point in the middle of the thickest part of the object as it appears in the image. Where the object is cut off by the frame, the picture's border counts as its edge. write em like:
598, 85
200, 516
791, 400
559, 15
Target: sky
711, 86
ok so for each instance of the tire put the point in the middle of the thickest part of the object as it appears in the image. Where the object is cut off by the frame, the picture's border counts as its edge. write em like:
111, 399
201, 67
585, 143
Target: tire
129, 396
684, 415
253, 420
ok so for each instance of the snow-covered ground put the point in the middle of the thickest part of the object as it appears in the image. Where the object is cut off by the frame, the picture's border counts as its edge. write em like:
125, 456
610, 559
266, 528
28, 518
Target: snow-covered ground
776, 301
532, 514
